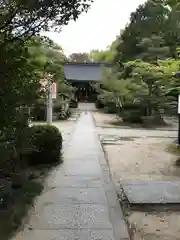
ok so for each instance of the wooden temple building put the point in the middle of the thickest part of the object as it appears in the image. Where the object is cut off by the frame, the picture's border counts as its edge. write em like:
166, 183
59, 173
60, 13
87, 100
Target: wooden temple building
82, 76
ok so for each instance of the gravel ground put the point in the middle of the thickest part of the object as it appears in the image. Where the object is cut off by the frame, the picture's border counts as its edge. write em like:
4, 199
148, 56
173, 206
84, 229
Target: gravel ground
142, 158
141, 154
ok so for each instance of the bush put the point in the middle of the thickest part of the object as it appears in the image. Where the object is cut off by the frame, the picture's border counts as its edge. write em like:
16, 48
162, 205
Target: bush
150, 121
44, 145
132, 116
38, 113
110, 107
57, 107
99, 104
133, 113
6, 163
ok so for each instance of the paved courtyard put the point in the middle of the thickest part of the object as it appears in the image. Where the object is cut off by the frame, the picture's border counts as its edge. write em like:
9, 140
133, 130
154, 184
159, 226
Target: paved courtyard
79, 200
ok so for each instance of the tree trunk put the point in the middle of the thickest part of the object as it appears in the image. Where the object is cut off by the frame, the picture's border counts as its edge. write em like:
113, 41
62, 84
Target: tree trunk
119, 105
149, 112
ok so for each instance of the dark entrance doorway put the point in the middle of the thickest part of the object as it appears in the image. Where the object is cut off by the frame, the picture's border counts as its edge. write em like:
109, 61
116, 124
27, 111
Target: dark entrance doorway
85, 92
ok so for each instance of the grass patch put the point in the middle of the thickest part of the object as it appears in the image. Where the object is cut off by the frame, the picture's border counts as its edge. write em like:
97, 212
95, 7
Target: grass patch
173, 148
16, 206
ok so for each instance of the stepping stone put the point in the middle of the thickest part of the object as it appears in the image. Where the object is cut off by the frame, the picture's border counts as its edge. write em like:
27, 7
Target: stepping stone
152, 192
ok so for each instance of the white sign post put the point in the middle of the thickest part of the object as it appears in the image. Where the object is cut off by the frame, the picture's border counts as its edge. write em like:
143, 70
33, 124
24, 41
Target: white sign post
179, 104
51, 89
49, 104
179, 119
54, 90
49, 100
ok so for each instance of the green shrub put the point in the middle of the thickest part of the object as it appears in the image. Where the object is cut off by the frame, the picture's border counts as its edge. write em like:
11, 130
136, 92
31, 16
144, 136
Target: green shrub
38, 112
99, 104
6, 164
132, 116
133, 113
57, 107
44, 145
152, 121
135, 107
110, 107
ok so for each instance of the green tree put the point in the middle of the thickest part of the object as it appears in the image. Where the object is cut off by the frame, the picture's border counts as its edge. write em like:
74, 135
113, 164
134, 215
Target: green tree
148, 85
79, 57
22, 69
21, 18
154, 18
115, 91
19, 86
102, 55
154, 81
146, 59
49, 57
153, 48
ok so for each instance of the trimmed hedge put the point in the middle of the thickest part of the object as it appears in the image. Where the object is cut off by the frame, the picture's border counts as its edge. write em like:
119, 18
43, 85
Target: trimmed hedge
132, 113
131, 116
43, 145
150, 121
111, 108
99, 104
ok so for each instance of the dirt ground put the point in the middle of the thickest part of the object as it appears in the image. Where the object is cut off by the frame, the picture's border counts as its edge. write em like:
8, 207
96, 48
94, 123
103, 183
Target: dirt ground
142, 154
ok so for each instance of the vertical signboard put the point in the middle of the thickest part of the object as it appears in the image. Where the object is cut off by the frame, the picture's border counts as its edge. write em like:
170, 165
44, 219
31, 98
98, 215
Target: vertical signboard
54, 90
179, 104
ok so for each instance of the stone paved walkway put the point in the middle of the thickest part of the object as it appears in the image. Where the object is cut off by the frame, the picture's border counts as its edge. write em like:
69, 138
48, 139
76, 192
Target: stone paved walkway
79, 201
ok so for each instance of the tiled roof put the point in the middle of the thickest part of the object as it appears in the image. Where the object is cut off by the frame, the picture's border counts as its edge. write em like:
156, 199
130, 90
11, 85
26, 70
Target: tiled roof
84, 71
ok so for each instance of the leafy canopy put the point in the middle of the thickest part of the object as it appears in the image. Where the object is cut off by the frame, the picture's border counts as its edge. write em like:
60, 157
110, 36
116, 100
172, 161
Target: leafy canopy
21, 18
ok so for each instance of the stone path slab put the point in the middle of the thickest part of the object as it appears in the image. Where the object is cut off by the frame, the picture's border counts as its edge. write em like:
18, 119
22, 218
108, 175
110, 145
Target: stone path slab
68, 234
74, 195
151, 192
71, 216
59, 180
85, 168
79, 200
